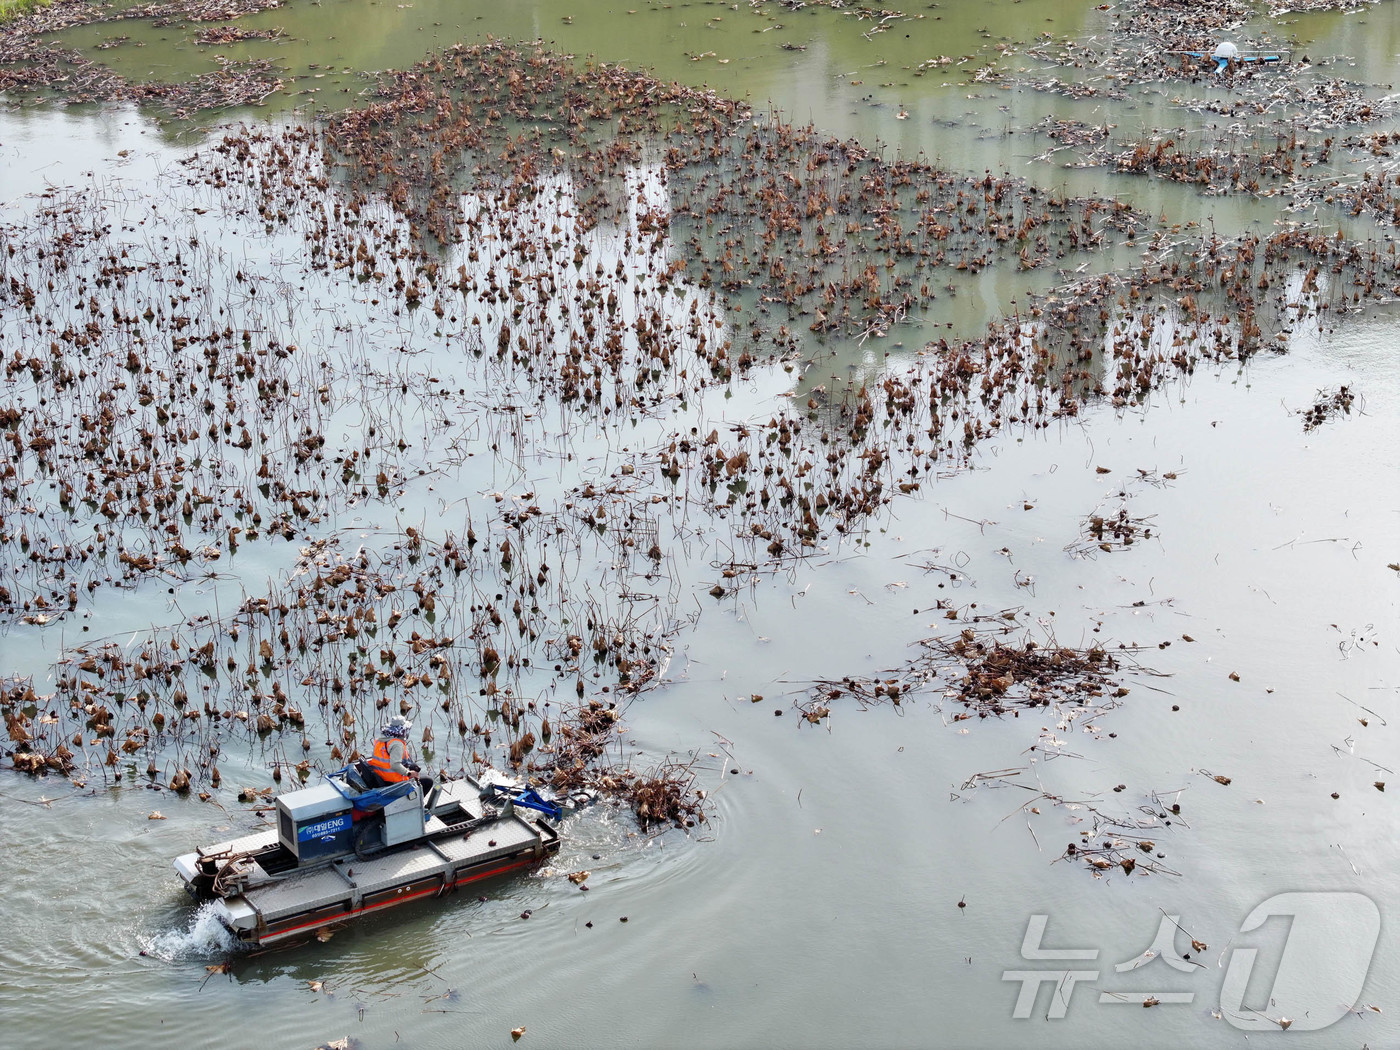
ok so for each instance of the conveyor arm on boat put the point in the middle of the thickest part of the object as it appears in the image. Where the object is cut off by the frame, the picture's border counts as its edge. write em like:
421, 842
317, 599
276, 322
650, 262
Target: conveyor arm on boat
1222, 63
530, 799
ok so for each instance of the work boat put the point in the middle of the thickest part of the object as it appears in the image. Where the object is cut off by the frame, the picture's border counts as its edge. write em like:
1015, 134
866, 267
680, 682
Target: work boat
350, 846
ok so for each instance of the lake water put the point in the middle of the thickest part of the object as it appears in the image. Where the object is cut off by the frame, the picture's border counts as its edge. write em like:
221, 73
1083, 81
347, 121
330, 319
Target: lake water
857, 882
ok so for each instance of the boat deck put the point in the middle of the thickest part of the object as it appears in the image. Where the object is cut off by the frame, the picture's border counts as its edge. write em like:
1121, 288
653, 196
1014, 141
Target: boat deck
245, 844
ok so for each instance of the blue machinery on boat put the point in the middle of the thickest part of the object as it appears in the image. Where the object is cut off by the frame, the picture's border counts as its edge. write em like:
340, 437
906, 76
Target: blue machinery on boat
363, 798
1226, 53
530, 799
1222, 64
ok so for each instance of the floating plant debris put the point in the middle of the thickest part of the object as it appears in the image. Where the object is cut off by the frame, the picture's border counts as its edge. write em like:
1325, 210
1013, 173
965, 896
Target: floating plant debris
1113, 531
509, 255
1110, 840
1328, 405
234, 34
987, 674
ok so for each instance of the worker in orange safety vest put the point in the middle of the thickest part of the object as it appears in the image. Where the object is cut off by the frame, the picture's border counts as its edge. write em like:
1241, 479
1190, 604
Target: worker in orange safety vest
390, 760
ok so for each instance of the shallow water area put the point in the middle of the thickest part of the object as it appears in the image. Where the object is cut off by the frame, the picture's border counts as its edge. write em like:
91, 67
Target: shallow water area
851, 847
866, 876
954, 82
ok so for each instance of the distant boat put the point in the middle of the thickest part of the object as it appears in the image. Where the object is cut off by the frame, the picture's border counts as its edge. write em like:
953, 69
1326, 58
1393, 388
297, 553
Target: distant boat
1226, 52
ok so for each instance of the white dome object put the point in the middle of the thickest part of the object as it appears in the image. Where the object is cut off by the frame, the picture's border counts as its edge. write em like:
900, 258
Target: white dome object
1225, 50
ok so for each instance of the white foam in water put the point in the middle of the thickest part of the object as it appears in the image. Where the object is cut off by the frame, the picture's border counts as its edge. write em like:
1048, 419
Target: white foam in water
206, 935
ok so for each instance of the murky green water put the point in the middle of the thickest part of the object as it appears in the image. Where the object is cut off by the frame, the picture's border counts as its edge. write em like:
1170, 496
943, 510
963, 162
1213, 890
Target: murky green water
856, 885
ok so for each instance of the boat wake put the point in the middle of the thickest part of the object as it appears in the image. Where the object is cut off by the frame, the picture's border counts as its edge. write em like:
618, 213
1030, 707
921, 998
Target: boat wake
206, 935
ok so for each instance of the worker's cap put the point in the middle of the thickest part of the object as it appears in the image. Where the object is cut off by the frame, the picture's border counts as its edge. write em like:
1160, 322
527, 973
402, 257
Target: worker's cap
397, 726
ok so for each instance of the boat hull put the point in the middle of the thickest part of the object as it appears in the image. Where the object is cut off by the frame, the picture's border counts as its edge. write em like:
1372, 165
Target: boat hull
231, 912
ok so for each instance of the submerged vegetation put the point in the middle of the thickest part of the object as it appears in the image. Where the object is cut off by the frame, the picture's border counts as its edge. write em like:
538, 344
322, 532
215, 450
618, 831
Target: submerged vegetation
35, 68
549, 253
507, 261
